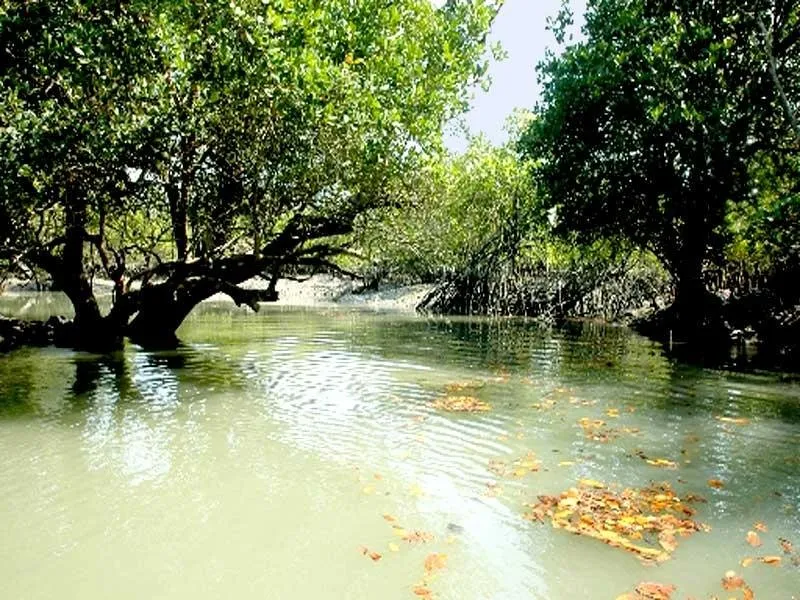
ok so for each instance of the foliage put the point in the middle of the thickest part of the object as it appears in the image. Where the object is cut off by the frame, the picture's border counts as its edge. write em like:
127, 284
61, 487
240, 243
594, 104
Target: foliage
239, 133
649, 127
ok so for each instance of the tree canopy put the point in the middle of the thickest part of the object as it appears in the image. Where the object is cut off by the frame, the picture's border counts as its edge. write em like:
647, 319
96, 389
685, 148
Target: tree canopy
651, 127
179, 148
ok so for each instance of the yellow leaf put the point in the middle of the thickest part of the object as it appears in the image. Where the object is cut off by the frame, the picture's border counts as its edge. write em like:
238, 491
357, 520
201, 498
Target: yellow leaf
746, 562
770, 560
399, 531
591, 483
716, 483
416, 491
566, 463
662, 463
734, 420
368, 490
394, 547
389, 518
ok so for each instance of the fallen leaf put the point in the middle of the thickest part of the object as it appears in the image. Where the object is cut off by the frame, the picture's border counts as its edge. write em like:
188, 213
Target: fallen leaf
389, 518
566, 463
423, 591
368, 490
461, 404
415, 537
612, 412
770, 560
394, 547
416, 491
746, 562
732, 581
649, 590
628, 519
667, 541
786, 545
759, 526
734, 420
399, 531
753, 539
434, 562
592, 483
367, 552
716, 483
662, 463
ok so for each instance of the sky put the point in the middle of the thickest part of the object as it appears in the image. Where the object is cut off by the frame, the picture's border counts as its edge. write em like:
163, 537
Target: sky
520, 28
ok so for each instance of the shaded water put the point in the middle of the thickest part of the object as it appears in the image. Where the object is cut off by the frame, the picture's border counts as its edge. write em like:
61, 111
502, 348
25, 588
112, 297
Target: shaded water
257, 460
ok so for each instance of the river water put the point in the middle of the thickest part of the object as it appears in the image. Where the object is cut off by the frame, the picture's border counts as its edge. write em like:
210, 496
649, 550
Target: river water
263, 457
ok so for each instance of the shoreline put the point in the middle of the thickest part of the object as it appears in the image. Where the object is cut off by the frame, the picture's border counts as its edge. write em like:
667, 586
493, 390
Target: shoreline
318, 290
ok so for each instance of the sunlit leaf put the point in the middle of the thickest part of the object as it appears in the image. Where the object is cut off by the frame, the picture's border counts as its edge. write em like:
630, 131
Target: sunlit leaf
422, 591
662, 463
759, 526
461, 404
375, 556
746, 562
734, 420
753, 539
418, 537
771, 560
389, 518
649, 590
394, 547
786, 545
627, 519
435, 562
716, 483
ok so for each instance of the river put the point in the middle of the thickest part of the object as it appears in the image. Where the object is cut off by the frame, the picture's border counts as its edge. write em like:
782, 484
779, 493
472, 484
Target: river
301, 453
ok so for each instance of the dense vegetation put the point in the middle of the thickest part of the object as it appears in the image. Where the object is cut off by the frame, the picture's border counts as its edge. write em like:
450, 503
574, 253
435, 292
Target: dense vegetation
180, 148
667, 138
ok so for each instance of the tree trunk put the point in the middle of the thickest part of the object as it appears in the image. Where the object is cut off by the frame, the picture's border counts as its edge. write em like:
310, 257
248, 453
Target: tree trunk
90, 328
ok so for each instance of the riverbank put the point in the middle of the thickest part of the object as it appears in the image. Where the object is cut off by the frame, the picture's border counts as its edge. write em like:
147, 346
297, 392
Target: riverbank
20, 328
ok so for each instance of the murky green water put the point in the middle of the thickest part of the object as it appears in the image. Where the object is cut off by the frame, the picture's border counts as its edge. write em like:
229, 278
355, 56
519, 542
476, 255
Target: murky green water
256, 461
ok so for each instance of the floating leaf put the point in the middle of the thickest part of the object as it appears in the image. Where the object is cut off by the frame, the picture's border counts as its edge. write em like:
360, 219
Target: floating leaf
592, 483
461, 386
389, 518
746, 562
649, 590
394, 547
759, 526
415, 537
734, 420
399, 531
662, 463
620, 519
375, 556
771, 560
461, 404
423, 591
435, 562
716, 483
753, 539
786, 545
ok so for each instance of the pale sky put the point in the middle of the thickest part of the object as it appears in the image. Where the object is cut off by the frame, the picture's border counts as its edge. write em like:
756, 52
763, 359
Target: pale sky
520, 28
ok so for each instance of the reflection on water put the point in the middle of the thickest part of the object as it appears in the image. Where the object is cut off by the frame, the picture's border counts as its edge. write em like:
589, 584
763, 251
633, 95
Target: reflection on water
256, 460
